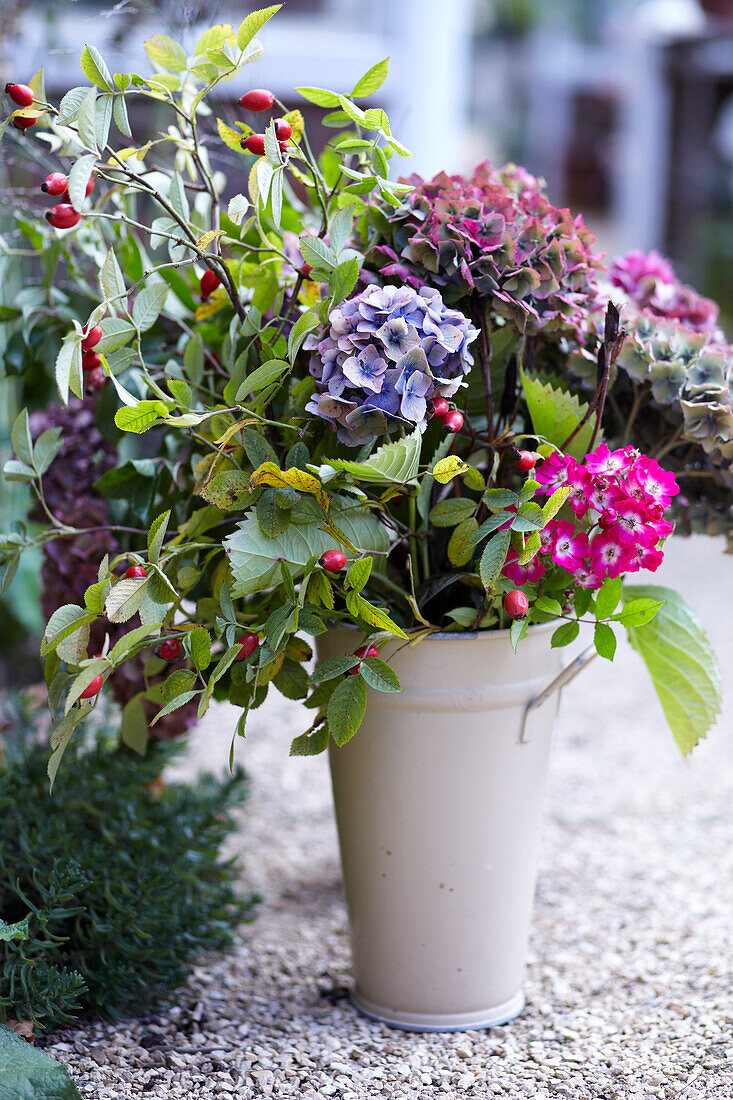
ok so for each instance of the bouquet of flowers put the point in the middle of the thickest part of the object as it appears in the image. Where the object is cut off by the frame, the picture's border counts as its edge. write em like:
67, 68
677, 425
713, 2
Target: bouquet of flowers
411, 406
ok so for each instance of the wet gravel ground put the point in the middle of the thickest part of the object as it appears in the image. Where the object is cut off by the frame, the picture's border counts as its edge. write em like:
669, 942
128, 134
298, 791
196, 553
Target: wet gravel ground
630, 982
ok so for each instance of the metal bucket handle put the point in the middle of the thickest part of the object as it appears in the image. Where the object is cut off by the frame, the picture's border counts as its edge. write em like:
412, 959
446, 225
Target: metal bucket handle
560, 680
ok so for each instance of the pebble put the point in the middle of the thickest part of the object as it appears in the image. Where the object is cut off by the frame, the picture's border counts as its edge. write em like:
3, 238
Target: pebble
628, 987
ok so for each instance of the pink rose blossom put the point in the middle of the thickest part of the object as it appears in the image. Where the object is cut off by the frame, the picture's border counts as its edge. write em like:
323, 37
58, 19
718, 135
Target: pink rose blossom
610, 463
608, 554
571, 546
522, 574
553, 472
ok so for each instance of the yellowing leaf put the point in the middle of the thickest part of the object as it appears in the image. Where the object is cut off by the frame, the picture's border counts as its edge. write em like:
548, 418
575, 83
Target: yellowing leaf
448, 468
269, 474
124, 154
207, 238
232, 138
216, 303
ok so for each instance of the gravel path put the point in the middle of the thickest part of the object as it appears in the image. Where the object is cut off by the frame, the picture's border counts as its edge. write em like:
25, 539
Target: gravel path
630, 984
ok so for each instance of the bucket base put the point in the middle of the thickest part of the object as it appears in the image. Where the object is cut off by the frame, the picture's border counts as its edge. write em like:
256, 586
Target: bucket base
460, 1021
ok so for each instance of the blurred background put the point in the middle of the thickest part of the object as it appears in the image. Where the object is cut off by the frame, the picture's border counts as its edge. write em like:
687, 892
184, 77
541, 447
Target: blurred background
624, 106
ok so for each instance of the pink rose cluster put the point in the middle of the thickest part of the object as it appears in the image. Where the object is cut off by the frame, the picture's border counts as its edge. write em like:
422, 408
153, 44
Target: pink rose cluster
618, 498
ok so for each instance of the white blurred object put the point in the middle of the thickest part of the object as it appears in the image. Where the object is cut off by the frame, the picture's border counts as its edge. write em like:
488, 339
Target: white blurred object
668, 18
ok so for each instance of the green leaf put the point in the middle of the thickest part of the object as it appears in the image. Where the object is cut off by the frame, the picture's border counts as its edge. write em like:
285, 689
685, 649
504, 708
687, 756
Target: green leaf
26, 1073
79, 177
681, 663
199, 646
305, 324
450, 512
254, 557
555, 502
14, 470
500, 498
47, 446
20, 437
70, 105
183, 679
138, 418
166, 52
608, 597
320, 96
346, 709
548, 606
156, 535
17, 931
372, 80
517, 631
462, 542
94, 68
262, 377
134, 725
65, 621
310, 744
111, 278
116, 333
391, 464
125, 598
317, 253
528, 518
257, 448
253, 24
379, 675
565, 634
87, 120
333, 667
343, 280
124, 646
374, 616
68, 369
556, 413
493, 558
148, 305
119, 110
359, 573
605, 641
637, 612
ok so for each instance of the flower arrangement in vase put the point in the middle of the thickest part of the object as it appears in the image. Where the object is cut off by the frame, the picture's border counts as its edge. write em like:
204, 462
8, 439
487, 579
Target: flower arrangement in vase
418, 409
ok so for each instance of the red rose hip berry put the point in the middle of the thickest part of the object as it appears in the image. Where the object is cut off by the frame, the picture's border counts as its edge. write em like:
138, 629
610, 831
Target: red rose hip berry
63, 216
362, 652
55, 184
255, 143
92, 337
283, 129
258, 99
525, 460
20, 94
209, 282
170, 650
90, 360
136, 571
24, 122
440, 407
453, 421
333, 560
516, 604
247, 645
94, 688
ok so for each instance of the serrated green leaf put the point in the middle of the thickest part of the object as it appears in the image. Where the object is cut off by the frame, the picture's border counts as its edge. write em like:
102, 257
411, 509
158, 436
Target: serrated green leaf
253, 24
372, 80
254, 557
379, 675
94, 68
111, 278
374, 616
116, 333
87, 120
320, 96
68, 370
681, 663
166, 52
134, 725
556, 413
262, 377
343, 280
46, 447
604, 640
20, 437
359, 573
394, 463
462, 542
565, 634
346, 709
148, 304
493, 558
156, 535
125, 598
450, 512
138, 418
500, 498
310, 744
199, 646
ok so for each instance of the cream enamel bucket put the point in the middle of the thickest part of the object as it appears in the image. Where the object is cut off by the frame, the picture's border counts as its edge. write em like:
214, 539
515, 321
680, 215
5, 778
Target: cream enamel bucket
439, 801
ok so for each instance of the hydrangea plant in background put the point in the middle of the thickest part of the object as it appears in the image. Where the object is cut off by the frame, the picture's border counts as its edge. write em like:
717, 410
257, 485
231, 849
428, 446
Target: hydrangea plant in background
412, 406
